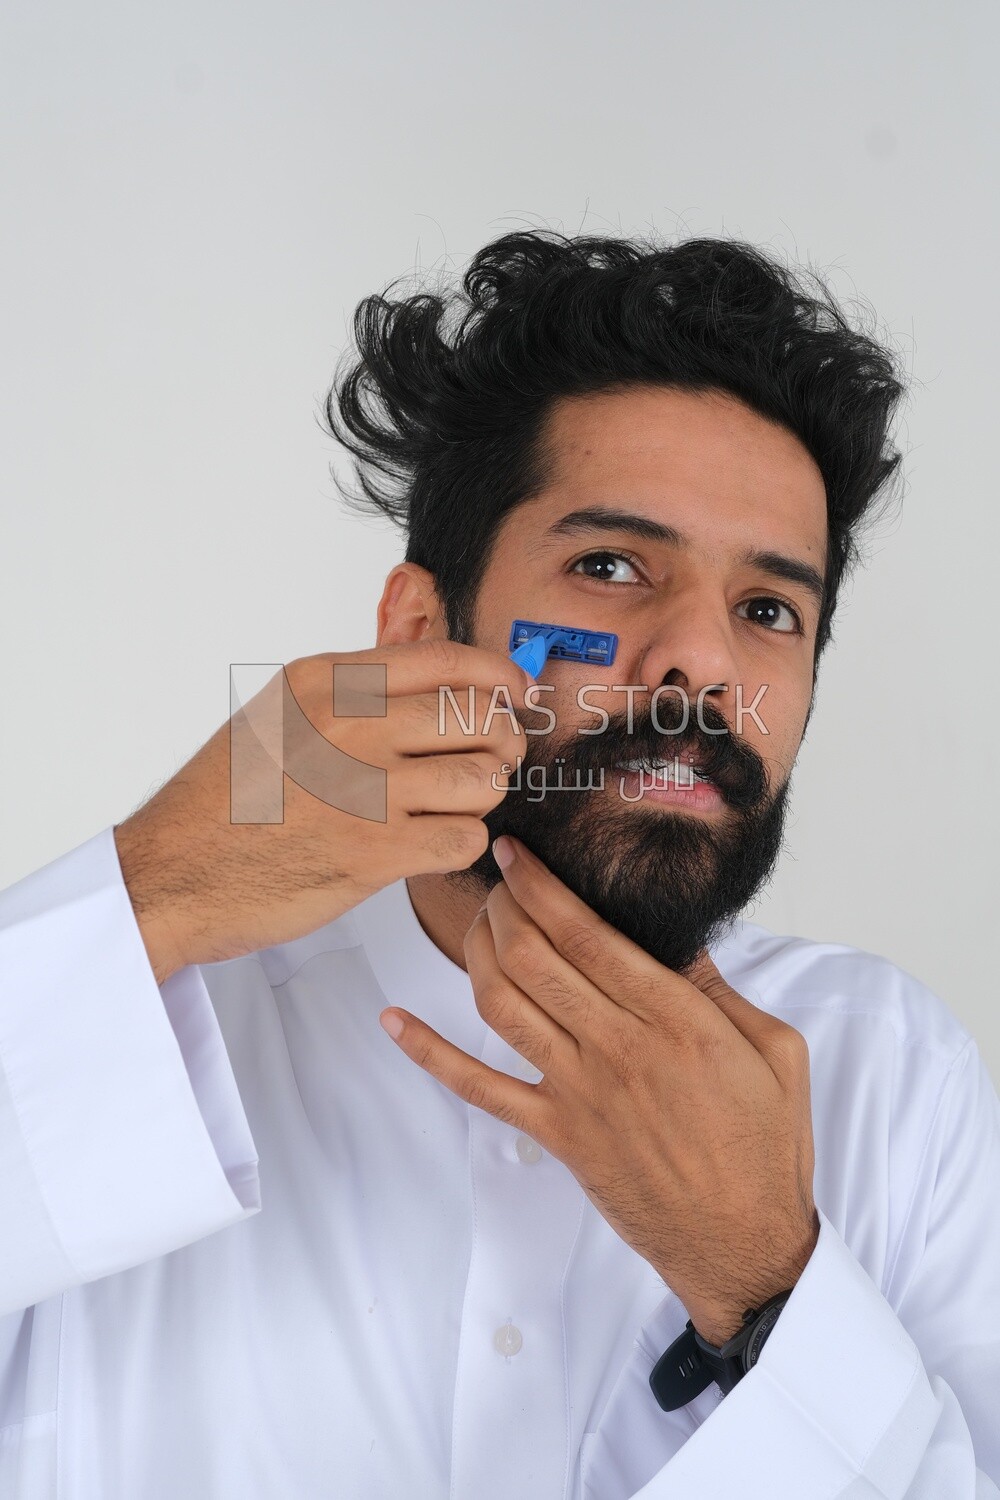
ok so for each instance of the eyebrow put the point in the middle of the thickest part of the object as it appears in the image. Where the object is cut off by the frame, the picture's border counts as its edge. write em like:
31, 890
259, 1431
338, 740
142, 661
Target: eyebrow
603, 518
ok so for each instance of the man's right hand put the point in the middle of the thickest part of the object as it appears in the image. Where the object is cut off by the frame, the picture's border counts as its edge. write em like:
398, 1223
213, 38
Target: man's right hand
205, 888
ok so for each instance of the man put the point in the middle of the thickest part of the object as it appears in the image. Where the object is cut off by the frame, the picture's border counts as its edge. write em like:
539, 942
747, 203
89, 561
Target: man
253, 1246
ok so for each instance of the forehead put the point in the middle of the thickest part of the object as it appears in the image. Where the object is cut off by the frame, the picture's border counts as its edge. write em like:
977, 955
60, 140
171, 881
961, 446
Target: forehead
703, 462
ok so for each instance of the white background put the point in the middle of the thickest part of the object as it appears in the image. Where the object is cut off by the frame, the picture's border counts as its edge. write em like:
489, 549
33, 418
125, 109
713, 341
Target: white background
195, 197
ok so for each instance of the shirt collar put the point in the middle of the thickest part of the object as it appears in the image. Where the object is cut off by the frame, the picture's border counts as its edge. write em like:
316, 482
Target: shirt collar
411, 970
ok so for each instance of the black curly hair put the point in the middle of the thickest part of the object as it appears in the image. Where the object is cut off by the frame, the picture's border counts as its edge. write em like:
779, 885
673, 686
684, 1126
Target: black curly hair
444, 411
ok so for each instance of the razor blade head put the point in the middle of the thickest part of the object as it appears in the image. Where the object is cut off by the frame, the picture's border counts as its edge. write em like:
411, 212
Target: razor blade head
596, 647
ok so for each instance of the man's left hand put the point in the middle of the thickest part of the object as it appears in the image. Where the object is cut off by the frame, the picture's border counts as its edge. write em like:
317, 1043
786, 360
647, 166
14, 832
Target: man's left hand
682, 1110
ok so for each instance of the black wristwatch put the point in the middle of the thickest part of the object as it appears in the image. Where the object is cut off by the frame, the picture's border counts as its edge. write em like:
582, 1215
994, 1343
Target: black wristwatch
691, 1363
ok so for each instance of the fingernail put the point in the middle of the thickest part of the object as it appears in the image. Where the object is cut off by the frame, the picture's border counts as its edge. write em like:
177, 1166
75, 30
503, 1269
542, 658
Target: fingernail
393, 1025
503, 851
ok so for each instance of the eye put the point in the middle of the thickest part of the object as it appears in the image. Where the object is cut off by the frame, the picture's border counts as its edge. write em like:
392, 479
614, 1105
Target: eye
774, 614
604, 565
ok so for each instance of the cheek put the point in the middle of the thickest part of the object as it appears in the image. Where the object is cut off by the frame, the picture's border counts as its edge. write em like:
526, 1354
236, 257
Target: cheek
773, 728
559, 698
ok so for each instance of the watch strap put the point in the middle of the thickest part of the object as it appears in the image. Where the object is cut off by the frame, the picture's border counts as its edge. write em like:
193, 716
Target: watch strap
691, 1363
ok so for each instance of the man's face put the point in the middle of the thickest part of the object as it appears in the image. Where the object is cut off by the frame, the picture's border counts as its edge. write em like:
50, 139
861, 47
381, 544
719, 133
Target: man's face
705, 611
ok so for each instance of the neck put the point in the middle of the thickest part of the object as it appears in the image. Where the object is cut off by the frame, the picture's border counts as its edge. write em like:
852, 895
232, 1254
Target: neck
445, 912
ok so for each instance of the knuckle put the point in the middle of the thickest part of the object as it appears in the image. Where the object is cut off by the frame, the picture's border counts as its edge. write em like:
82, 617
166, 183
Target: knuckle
492, 1000
521, 1038
519, 955
477, 1093
553, 988
503, 1112
580, 944
492, 783
464, 839
789, 1044
477, 837
447, 843
715, 987
511, 740
443, 655
459, 772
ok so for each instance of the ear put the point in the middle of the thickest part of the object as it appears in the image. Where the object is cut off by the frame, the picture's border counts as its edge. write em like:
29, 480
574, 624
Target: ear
409, 609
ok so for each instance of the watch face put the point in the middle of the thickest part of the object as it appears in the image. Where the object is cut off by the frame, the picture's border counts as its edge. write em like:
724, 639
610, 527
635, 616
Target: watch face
751, 1353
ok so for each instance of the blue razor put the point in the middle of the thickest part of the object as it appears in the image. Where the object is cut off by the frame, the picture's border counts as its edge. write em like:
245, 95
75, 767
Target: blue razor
531, 644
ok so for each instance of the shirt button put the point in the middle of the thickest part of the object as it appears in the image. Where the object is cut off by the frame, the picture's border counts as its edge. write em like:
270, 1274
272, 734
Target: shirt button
507, 1340
527, 1149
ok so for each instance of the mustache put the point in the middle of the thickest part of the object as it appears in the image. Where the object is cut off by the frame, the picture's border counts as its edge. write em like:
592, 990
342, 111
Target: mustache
739, 772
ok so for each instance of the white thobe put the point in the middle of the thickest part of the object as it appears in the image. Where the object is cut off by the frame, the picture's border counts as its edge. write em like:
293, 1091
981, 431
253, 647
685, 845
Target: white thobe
250, 1251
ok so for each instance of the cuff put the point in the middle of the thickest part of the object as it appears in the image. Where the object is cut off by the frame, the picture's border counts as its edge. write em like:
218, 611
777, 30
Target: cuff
122, 1134
839, 1392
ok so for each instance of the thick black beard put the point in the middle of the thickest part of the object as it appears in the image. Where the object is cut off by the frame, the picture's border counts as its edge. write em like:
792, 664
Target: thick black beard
670, 880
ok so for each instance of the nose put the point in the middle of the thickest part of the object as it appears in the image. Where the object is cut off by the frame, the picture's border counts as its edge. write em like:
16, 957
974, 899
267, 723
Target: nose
691, 647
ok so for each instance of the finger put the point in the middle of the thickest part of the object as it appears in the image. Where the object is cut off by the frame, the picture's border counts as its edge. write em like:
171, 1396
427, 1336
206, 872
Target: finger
518, 949
764, 1031
431, 664
426, 727
519, 1013
503, 1097
619, 968
465, 782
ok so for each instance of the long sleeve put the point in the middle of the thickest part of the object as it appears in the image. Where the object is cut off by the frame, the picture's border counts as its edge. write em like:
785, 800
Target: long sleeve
122, 1133
859, 1394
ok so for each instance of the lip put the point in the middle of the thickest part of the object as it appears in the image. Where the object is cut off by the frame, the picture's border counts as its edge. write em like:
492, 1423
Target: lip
703, 797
